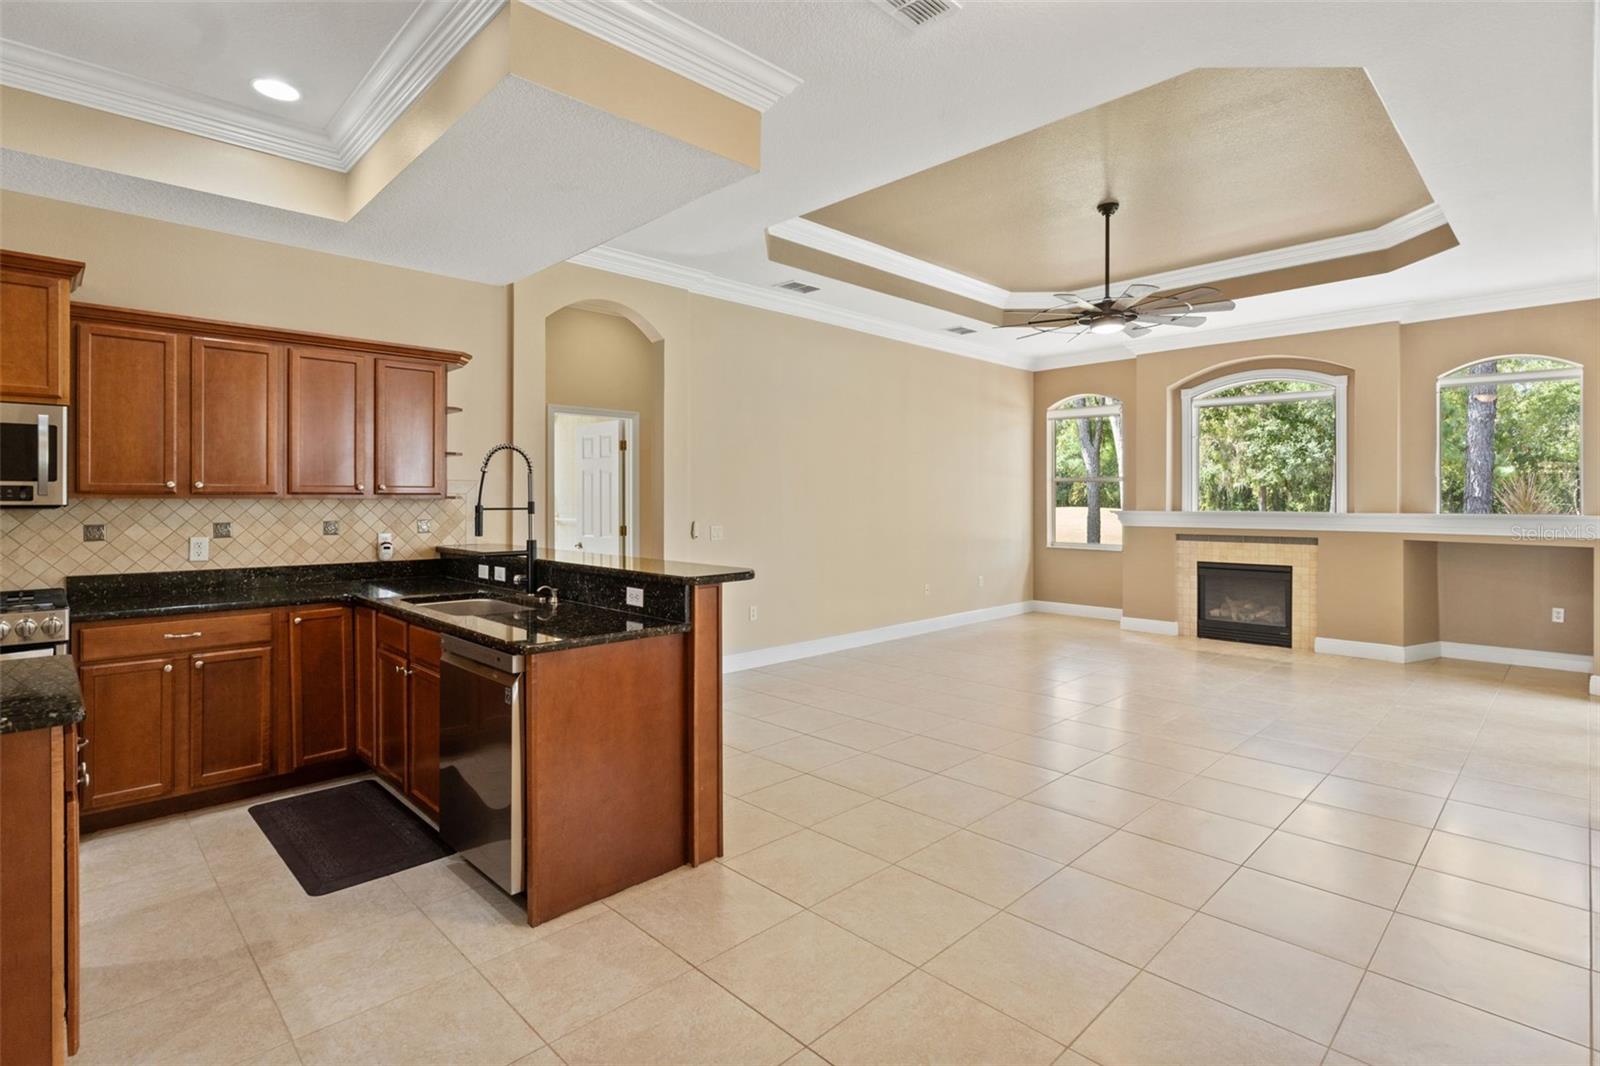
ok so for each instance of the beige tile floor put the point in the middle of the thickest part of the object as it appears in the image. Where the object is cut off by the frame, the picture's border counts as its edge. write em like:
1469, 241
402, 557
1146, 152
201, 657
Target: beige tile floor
1033, 840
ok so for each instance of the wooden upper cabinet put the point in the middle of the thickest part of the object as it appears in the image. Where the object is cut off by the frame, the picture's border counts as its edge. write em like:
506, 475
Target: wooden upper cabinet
34, 331
126, 431
236, 443
408, 427
330, 426
230, 715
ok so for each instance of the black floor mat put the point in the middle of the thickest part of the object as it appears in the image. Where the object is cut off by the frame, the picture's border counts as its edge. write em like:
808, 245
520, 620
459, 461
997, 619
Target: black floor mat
338, 837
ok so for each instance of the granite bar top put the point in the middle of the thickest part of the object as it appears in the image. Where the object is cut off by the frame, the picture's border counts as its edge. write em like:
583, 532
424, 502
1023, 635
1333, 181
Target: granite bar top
522, 627
38, 693
664, 570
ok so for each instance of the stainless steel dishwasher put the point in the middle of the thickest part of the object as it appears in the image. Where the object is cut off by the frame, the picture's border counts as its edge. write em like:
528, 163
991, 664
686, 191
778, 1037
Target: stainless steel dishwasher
480, 759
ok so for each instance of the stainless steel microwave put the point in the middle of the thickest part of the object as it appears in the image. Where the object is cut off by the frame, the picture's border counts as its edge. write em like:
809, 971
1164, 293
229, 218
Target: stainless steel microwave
33, 455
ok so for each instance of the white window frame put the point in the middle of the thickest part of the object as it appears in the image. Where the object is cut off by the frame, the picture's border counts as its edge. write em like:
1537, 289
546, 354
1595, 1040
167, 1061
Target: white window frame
1457, 378
1053, 414
1334, 386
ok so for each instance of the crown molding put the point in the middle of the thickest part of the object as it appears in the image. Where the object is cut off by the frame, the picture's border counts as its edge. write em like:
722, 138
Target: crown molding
647, 268
1400, 312
422, 48
834, 242
653, 32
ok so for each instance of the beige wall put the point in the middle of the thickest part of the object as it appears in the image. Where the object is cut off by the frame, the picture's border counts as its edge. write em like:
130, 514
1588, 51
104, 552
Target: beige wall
603, 360
850, 471
1501, 594
1091, 576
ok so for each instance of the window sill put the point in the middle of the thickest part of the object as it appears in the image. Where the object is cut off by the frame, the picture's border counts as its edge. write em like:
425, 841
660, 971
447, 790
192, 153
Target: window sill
1087, 547
1533, 528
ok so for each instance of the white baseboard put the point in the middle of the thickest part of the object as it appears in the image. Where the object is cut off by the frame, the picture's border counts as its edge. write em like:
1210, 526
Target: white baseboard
1447, 649
1158, 626
805, 649
1077, 610
1594, 684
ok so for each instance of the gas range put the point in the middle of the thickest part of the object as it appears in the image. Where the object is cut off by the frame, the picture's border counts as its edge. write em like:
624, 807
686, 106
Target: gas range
34, 622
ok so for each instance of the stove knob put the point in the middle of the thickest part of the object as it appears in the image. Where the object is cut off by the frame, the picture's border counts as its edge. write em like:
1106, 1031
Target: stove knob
27, 628
5, 630
52, 626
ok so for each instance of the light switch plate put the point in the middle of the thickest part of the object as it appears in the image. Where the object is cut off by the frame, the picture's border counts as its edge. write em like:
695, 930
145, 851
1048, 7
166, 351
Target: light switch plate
1558, 614
716, 532
635, 597
199, 549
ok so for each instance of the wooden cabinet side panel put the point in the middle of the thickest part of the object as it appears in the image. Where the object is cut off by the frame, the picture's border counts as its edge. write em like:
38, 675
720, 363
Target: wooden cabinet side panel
126, 431
31, 891
70, 759
600, 716
705, 725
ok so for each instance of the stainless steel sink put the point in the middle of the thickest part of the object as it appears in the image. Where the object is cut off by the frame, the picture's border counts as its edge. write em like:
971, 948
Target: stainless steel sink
473, 606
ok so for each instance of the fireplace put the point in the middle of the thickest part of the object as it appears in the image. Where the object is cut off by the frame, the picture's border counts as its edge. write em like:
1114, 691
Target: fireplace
1238, 601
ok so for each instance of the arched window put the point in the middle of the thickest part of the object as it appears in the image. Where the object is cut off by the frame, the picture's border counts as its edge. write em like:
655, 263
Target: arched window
1085, 464
1511, 437
1266, 440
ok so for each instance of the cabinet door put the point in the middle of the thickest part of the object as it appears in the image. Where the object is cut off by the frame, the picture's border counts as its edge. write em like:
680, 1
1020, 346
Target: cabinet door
126, 431
366, 665
129, 709
392, 693
409, 427
230, 715
330, 425
422, 743
235, 418
320, 684
33, 338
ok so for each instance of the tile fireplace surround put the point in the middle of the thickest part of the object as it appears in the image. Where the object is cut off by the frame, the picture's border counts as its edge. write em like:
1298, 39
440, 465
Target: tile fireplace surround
1299, 553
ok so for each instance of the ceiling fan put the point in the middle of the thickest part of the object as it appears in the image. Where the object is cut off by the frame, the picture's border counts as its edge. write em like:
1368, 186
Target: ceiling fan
1136, 312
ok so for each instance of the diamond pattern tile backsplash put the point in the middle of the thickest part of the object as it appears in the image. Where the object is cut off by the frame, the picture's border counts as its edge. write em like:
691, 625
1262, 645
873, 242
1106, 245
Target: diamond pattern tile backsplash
40, 548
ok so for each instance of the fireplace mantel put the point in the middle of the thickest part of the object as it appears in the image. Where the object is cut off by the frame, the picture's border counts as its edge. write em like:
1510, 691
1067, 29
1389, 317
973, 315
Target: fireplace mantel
1534, 529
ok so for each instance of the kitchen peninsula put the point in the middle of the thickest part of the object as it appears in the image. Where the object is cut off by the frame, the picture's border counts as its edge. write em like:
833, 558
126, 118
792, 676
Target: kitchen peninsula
206, 686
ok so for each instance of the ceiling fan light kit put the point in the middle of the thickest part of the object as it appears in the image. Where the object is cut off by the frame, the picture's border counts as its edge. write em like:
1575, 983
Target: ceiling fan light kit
1136, 312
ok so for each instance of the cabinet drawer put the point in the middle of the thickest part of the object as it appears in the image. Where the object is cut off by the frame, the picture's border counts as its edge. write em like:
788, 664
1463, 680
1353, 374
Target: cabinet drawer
177, 635
392, 635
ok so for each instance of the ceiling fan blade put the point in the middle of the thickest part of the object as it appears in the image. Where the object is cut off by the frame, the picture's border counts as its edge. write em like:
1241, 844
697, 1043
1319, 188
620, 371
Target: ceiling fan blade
1132, 295
1164, 306
1069, 299
1170, 320
1204, 292
1136, 331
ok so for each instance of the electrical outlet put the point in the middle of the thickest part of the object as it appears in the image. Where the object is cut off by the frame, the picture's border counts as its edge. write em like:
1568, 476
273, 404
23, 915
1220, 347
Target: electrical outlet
716, 532
424, 525
753, 613
483, 571
635, 597
1558, 614
500, 574
199, 549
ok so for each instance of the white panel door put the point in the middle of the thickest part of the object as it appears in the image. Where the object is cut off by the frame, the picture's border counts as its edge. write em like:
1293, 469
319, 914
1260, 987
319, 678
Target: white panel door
600, 487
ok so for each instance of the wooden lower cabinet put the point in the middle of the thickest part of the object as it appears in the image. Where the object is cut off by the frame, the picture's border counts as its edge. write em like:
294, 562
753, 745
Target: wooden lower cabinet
321, 684
230, 715
422, 746
390, 686
130, 722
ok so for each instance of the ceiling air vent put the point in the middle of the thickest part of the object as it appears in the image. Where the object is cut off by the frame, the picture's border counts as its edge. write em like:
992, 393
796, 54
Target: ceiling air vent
960, 331
919, 12
797, 286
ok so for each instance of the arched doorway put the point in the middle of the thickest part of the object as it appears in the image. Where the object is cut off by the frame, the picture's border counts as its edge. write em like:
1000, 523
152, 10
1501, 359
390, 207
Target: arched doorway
604, 398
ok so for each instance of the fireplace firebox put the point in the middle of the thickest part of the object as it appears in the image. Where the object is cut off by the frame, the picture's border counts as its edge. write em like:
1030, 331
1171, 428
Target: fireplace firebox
1248, 603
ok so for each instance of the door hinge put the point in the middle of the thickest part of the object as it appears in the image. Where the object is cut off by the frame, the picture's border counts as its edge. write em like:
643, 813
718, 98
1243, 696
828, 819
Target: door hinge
622, 445
622, 531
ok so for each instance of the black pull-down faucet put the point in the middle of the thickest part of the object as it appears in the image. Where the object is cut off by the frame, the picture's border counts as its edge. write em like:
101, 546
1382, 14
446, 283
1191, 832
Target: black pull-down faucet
478, 508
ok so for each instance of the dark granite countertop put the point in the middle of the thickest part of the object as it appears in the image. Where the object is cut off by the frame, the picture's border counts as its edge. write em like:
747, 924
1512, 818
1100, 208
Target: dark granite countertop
664, 570
39, 693
522, 628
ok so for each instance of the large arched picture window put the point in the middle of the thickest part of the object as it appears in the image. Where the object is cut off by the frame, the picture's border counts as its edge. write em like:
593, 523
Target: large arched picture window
1269, 440
1511, 437
1084, 439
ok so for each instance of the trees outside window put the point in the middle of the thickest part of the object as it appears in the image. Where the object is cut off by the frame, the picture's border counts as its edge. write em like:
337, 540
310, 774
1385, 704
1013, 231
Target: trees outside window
1268, 441
1511, 437
1086, 464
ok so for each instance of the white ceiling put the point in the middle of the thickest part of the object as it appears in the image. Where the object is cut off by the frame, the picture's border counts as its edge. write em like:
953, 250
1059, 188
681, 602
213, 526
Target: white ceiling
214, 49
1495, 101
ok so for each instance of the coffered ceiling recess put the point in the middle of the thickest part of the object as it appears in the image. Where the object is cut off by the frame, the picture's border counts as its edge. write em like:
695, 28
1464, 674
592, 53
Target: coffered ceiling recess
1256, 180
480, 139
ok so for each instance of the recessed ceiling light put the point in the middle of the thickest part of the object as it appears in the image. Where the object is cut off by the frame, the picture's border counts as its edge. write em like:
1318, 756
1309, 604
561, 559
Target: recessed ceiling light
275, 89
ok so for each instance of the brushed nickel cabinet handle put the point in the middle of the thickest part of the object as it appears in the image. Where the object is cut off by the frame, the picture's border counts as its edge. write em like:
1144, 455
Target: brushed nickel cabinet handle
198, 663
183, 636
167, 669
297, 619
83, 774
383, 488
199, 484
361, 486
172, 484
